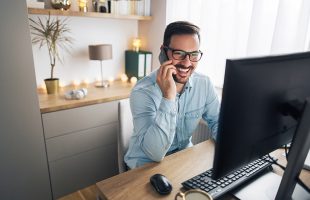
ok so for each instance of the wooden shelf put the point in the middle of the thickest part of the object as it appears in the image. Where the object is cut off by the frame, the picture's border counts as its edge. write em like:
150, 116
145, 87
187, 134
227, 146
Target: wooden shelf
55, 102
38, 11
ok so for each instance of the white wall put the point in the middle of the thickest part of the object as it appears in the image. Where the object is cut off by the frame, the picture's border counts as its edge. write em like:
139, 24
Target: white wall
85, 31
152, 32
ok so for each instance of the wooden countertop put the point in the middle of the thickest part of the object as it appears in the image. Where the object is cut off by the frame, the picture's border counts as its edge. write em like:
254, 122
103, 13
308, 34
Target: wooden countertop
55, 102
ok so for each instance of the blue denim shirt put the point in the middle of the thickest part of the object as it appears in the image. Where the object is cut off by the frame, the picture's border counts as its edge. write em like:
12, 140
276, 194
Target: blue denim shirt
162, 126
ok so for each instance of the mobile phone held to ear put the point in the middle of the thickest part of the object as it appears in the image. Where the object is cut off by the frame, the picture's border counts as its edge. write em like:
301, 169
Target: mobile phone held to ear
162, 56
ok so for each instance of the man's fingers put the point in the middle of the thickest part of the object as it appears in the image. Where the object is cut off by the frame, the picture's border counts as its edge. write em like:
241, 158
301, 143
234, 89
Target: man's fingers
163, 66
166, 63
170, 72
166, 69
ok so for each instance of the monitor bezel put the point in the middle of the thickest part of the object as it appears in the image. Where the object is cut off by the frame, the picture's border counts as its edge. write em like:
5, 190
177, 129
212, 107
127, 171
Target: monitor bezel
291, 133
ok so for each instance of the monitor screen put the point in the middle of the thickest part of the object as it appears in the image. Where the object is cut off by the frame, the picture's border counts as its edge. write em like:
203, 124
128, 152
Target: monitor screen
252, 123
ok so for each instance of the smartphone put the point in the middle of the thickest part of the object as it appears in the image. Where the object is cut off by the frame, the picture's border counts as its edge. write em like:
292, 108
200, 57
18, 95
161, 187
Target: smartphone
163, 58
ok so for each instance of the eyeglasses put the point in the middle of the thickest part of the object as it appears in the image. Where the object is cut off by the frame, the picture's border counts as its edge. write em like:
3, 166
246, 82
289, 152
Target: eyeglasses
177, 54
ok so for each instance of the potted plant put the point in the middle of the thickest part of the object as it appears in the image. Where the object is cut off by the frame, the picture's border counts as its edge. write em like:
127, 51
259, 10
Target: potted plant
54, 33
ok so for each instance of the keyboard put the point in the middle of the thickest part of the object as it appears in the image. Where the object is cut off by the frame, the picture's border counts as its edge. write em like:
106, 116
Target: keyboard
219, 187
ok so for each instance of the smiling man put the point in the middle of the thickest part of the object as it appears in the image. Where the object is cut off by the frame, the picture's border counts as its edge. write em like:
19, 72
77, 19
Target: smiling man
168, 104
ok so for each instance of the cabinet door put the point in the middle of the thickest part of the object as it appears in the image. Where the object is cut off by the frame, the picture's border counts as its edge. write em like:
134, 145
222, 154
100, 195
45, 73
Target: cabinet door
71, 120
81, 146
74, 143
82, 170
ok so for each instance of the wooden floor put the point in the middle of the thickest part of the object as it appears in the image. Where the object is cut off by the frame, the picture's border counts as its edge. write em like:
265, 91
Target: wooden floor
89, 193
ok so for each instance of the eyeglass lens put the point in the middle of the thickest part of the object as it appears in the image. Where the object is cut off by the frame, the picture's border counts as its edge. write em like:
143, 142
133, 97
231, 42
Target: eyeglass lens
181, 55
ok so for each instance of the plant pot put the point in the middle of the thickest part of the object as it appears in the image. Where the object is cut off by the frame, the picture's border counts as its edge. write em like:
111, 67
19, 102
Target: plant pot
52, 85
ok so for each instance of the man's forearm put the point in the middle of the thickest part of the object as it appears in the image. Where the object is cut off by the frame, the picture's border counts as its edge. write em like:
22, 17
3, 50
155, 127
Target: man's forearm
156, 133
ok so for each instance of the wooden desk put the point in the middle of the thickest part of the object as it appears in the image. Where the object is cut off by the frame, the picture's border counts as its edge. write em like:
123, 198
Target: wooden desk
177, 167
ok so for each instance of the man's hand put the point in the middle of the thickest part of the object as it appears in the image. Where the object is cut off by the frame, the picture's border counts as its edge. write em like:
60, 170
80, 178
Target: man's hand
165, 80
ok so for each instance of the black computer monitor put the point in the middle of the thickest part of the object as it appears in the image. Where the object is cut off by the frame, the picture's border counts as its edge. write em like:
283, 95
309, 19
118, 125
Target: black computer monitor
255, 118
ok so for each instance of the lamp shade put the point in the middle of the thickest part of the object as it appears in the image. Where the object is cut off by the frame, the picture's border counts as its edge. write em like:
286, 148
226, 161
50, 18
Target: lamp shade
100, 52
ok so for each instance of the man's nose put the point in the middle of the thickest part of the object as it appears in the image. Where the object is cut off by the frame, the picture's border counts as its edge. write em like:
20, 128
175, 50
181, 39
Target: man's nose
186, 62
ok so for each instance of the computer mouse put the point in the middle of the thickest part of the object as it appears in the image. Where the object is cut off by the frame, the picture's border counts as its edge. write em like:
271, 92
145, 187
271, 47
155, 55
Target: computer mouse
161, 184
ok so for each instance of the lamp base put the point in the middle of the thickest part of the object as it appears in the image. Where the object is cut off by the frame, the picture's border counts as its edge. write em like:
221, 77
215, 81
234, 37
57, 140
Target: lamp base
103, 84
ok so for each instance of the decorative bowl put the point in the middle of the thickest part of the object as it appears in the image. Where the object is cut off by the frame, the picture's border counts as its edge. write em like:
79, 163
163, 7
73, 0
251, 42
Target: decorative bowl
61, 4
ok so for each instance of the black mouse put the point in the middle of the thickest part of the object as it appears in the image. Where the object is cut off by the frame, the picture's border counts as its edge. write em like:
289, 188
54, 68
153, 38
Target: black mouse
161, 184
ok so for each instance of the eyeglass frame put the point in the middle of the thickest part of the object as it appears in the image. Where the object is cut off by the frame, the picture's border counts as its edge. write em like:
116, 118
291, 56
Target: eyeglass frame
186, 53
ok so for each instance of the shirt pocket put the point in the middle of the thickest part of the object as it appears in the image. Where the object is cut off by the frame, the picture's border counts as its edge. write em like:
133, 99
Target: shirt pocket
192, 119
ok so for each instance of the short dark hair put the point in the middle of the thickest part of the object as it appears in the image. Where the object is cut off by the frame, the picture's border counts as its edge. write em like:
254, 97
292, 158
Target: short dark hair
179, 28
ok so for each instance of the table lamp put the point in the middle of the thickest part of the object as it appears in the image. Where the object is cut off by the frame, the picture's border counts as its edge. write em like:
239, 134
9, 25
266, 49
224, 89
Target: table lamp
100, 52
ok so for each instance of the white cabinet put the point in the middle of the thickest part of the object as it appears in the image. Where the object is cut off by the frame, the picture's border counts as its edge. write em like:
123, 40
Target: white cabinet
81, 146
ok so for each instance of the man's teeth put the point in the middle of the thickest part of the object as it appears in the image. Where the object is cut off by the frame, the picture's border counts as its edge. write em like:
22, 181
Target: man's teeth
183, 70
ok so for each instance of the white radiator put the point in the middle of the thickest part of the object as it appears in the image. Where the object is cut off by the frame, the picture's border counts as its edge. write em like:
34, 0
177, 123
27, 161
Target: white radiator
201, 133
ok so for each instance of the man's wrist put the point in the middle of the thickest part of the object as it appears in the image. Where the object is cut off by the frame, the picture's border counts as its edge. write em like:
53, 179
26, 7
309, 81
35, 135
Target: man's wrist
169, 97
168, 106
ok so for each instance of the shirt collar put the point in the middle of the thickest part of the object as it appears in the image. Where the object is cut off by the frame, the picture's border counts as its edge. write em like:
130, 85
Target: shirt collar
189, 83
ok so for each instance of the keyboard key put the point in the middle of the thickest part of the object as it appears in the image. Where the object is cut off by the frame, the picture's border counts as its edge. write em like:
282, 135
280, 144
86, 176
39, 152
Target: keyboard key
230, 176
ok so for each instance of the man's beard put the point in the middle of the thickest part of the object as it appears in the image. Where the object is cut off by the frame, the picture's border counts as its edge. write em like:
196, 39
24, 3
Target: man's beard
182, 80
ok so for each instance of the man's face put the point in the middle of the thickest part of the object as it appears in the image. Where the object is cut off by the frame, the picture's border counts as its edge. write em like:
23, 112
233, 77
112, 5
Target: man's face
187, 43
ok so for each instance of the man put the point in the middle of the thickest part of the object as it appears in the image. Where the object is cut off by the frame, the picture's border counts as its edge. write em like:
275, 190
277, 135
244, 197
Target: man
168, 104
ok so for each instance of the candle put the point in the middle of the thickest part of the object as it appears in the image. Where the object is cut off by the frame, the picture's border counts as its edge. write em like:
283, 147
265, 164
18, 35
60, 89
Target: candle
85, 82
111, 79
75, 83
61, 84
42, 88
124, 78
133, 80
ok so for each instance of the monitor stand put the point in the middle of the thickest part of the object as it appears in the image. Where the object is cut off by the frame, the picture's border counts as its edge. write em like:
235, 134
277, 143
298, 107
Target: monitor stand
297, 155
299, 149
